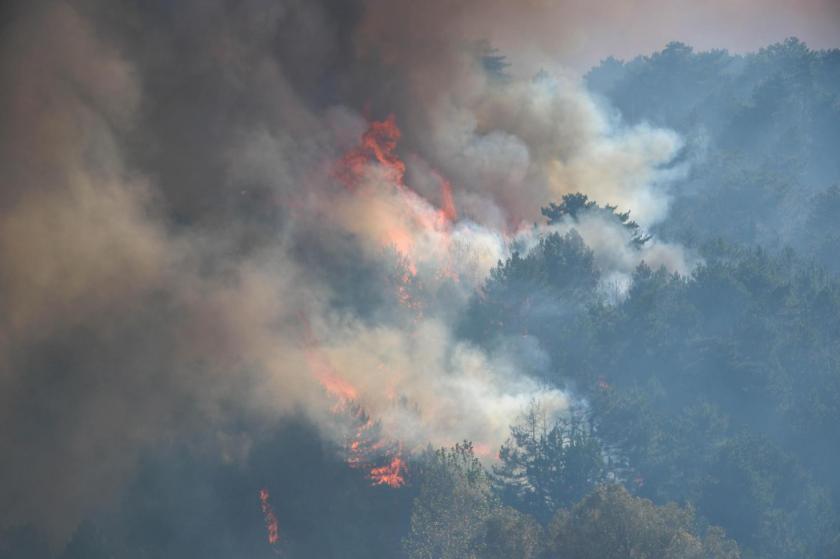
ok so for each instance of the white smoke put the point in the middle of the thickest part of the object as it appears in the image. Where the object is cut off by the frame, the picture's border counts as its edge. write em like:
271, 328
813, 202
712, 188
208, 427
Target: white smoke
167, 235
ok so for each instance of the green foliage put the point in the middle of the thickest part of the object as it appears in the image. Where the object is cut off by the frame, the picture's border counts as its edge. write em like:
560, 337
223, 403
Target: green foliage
574, 206
457, 516
612, 524
761, 132
547, 463
510, 533
563, 264
550, 283
721, 389
455, 502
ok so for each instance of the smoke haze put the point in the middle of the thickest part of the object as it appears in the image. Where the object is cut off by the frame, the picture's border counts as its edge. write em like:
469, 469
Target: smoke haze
184, 240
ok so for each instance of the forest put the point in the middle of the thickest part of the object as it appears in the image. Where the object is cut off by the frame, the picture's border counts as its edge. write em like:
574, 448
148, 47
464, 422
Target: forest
704, 401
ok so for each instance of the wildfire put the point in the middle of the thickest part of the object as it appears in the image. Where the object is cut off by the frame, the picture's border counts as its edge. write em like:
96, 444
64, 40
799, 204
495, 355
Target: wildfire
392, 474
366, 443
336, 386
378, 146
411, 226
270, 518
378, 142
366, 440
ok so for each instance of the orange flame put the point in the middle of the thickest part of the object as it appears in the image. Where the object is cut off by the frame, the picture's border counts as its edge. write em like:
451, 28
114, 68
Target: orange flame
392, 474
363, 441
378, 142
270, 518
329, 379
366, 439
381, 139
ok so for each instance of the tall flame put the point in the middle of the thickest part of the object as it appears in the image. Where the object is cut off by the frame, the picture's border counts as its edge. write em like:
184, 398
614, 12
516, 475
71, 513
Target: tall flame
378, 142
377, 146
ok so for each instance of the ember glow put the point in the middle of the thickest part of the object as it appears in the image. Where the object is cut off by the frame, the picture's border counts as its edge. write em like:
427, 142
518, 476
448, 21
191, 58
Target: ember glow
271, 525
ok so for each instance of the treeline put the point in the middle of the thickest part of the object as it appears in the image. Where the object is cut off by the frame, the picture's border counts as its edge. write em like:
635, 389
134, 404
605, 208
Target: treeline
721, 389
707, 429
762, 131
709, 403
185, 505
459, 515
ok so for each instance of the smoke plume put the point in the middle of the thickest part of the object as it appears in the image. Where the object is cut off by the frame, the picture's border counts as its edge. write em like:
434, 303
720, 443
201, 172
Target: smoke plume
214, 210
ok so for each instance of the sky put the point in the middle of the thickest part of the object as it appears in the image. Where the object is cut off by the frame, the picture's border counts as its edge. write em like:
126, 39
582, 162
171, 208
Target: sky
582, 33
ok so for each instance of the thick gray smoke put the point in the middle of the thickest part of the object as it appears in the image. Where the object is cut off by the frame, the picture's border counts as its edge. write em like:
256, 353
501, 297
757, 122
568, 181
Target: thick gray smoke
178, 248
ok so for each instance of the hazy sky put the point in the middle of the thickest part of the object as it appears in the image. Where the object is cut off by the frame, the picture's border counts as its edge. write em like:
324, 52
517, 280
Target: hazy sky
584, 31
